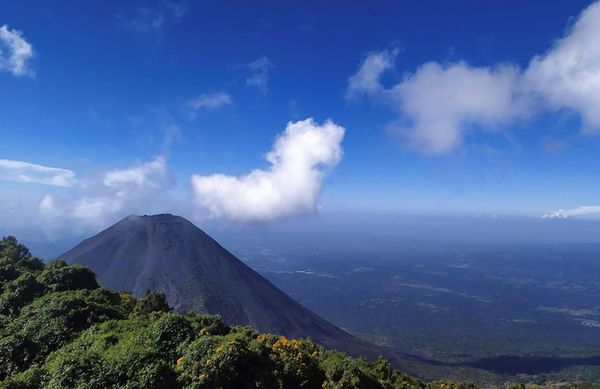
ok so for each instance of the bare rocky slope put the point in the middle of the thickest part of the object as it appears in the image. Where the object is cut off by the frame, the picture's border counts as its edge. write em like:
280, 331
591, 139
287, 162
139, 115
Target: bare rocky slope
168, 253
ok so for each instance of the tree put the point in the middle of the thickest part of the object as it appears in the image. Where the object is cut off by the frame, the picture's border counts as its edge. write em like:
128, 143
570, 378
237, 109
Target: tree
50, 322
57, 276
10, 248
18, 293
151, 302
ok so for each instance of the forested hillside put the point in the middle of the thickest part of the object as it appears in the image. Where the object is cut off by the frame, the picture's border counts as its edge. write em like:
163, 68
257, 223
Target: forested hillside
60, 329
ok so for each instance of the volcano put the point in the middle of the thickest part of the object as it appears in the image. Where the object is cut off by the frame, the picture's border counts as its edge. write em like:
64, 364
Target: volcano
169, 254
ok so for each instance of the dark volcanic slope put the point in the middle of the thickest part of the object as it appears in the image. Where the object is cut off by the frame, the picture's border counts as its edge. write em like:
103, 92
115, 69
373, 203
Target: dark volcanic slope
168, 253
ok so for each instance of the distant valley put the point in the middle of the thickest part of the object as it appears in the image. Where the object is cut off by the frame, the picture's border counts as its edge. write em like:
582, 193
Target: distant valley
496, 311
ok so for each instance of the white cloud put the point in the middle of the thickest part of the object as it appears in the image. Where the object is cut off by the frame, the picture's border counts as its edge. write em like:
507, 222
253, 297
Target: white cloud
15, 52
568, 75
148, 175
259, 74
27, 172
299, 160
209, 101
118, 193
48, 207
442, 102
367, 79
95, 210
581, 211
438, 104
84, 210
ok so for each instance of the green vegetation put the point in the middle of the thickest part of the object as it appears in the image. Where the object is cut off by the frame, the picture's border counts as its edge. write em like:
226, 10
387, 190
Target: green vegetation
60, 329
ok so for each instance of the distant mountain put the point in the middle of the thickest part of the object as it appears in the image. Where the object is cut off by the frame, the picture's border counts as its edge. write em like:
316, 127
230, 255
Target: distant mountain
168, 253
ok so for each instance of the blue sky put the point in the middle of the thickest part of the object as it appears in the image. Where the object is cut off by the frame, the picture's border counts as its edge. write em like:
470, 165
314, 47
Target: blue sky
435, 107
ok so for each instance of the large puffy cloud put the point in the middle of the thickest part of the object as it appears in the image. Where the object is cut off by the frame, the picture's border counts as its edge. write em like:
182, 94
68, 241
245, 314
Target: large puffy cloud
438, 104
568, 75
117, 193
27, 172
299, 159
15, 52
441, 102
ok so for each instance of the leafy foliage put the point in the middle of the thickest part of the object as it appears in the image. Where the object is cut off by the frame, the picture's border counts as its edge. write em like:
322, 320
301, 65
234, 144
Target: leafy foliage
50, 322
151, 302
18, 293
58, 276
60, 329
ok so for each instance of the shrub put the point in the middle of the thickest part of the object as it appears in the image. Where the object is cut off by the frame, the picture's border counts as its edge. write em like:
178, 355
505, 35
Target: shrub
57, 276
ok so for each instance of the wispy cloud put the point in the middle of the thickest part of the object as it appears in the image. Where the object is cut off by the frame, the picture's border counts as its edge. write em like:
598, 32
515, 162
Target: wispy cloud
15, 52
151, 20
258, 76
209, 101
178, 9
438, 104
581, 211
367, 78
26, 172
147, 175
554, 146
143, 20
117, 193
299, 160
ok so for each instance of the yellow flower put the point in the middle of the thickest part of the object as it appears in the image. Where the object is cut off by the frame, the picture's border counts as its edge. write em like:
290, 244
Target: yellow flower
180, 361
262, 338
